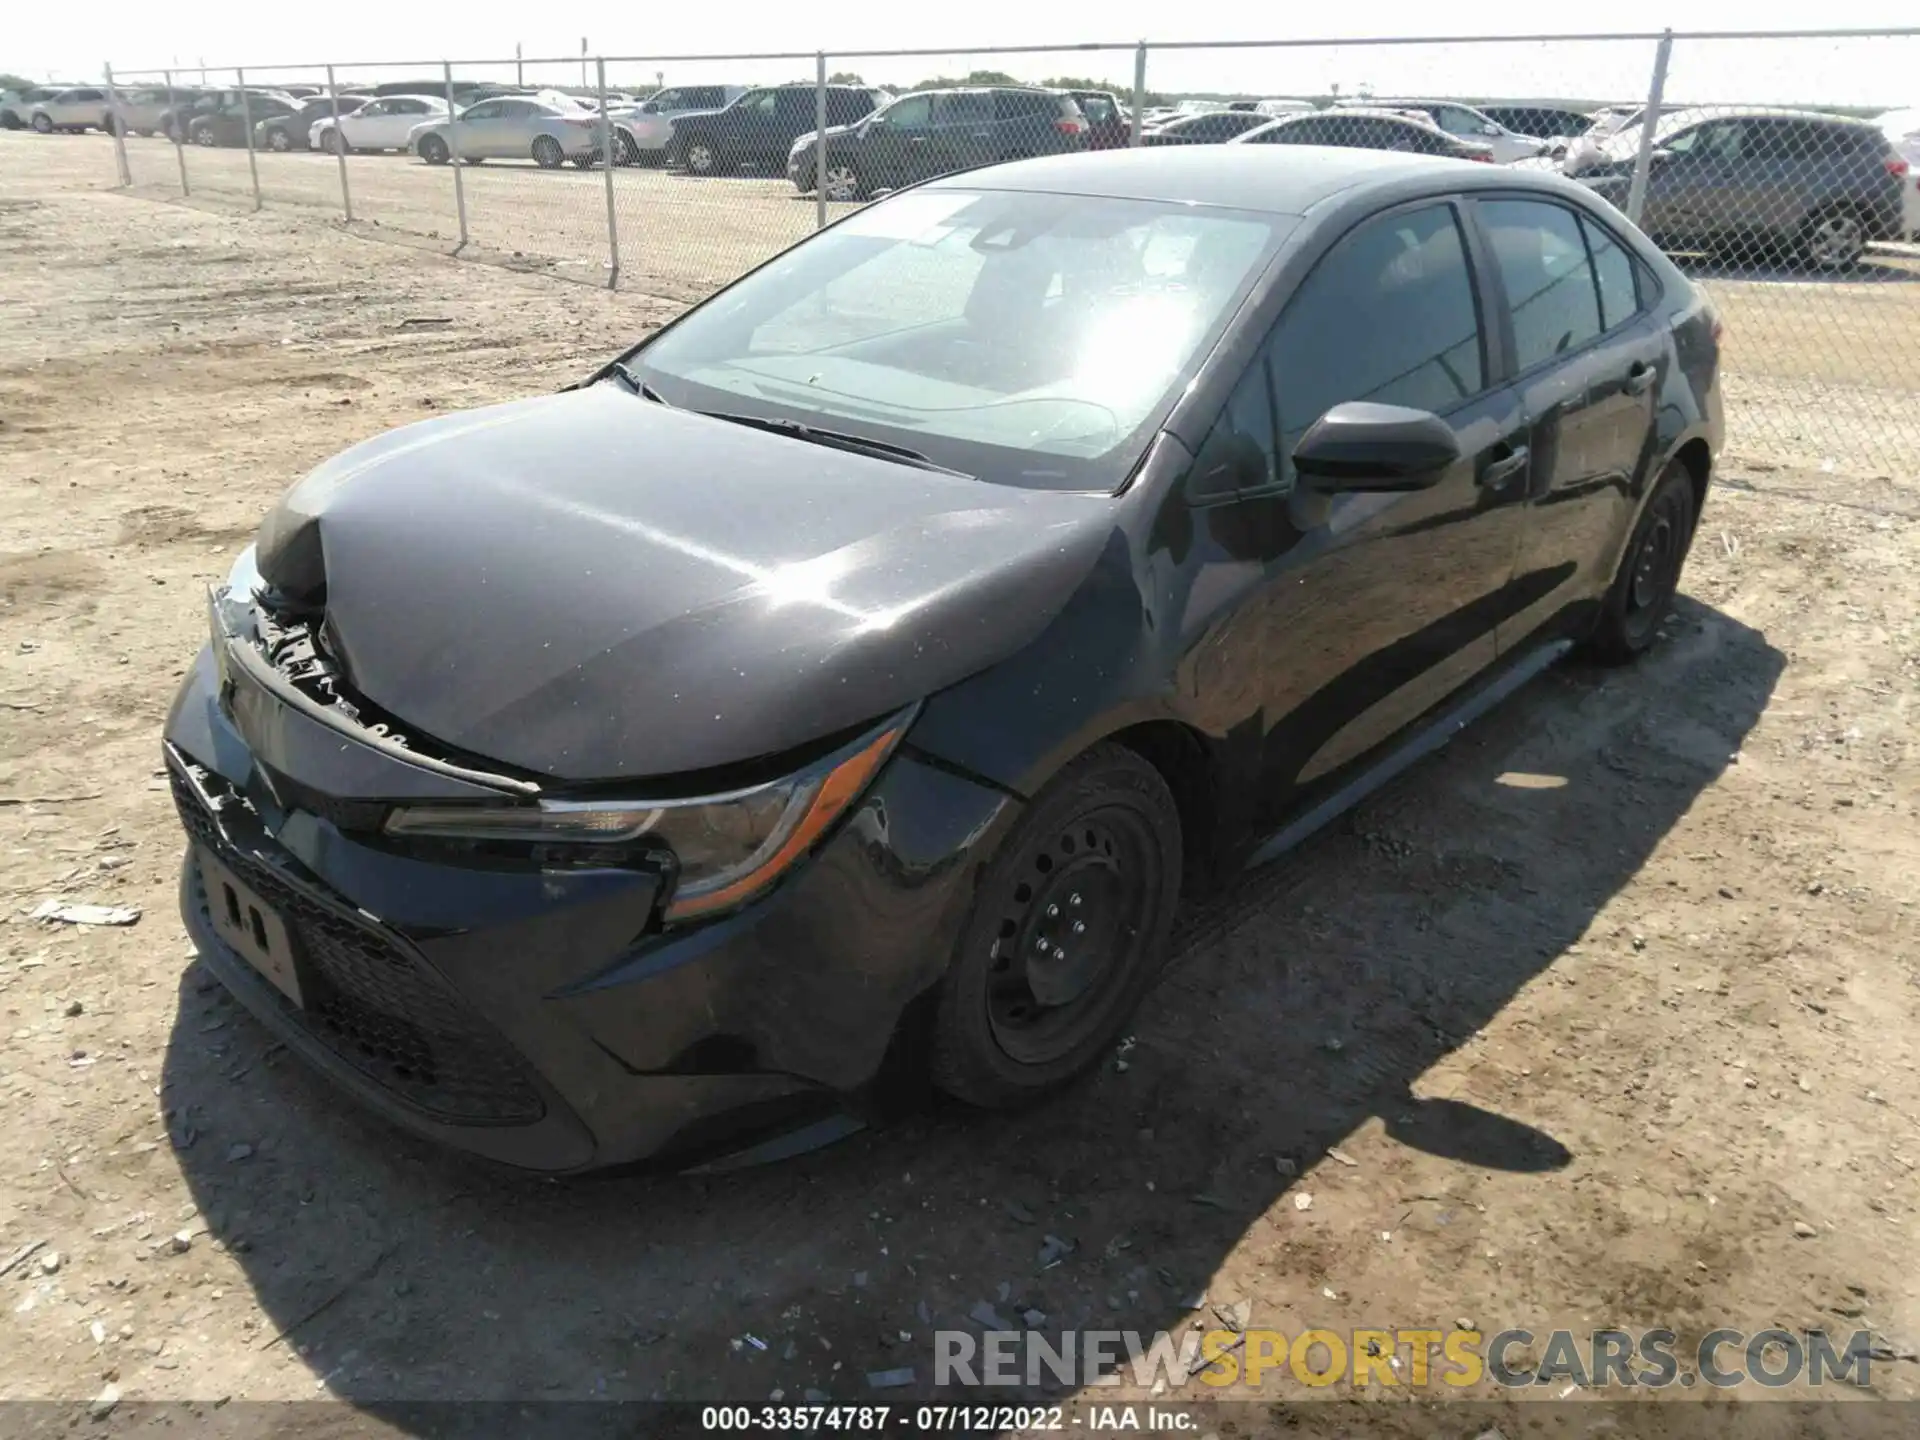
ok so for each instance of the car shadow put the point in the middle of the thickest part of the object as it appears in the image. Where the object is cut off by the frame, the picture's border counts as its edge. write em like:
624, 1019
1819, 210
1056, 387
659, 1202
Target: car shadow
1303, 1009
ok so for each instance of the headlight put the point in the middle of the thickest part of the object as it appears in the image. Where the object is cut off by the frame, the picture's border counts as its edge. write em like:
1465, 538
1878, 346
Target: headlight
729, 847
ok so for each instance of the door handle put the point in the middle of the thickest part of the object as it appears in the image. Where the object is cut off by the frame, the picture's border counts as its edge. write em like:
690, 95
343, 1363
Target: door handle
1504, 469
1640, 378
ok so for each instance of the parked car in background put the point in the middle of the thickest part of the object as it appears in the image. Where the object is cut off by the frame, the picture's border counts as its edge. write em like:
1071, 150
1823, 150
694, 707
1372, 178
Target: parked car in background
225, 122
1540, 122
934, 132
143, 108
1273, 109
1199, 107
511, 127
16, 105
1464, 122
1761, 184
384, 123
295, 131
1902, 128
1109, 127
642, 132
83, 107
832, 694
760, 127
1351, 128
1213, 128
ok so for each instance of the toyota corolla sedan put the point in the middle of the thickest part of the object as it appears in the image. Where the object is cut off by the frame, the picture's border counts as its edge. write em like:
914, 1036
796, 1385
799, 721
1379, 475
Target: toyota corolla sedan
844, 684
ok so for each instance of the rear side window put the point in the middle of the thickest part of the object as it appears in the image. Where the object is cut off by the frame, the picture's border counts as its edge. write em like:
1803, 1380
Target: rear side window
1097, 108
1550, 283
1614, 274
1016, 104
1387, 315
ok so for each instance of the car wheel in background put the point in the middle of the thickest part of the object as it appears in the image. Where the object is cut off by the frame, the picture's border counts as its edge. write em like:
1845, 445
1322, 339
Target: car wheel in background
434, 150
42, 125
205, 136
701, 158
1643, 590
1834, 240
334, 143
1068, 929
842, 181
625, 150
547, 153
279, 140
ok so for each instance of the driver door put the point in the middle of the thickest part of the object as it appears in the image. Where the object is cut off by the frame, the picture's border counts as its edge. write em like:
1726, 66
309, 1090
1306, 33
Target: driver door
894, 140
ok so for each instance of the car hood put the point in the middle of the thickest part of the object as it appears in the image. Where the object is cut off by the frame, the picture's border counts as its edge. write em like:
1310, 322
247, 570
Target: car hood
589, 585
812, 137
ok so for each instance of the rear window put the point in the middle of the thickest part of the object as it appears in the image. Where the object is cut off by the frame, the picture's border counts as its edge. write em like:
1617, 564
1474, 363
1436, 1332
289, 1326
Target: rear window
1012, 103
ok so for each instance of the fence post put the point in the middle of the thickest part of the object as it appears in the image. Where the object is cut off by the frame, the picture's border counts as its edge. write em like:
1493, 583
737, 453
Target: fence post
606, 164
119, 126
246, 127
340, 147
1643, 157
1139, 92
820, 140
178, 136
453, 160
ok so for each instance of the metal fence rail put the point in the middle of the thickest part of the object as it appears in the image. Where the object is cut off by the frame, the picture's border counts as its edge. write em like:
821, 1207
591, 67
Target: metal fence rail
1754, 159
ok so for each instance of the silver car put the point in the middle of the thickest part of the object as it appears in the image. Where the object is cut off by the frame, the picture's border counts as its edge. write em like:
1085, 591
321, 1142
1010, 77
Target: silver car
82, 108
511, 128
642, 133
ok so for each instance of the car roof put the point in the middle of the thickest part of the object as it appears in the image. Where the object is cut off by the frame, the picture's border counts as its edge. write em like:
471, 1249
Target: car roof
1275, 179
1693, 115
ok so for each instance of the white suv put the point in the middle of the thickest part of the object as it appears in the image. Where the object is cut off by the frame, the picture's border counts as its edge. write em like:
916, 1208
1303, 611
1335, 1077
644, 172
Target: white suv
76, 110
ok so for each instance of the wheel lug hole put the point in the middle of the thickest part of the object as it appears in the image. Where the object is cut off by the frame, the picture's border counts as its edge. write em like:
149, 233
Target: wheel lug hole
1079, 927
1053, 912
1074, 899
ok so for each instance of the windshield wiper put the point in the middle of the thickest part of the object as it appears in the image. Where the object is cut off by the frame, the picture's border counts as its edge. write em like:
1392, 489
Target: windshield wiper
619, 371
838, 440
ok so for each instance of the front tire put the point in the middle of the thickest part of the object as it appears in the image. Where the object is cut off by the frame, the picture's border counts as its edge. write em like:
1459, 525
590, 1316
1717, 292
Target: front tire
204, 136
1068, 929
434, 150
42, 125
547, 153
1641, 596
334, 143
279, 140
841, 180
701, 158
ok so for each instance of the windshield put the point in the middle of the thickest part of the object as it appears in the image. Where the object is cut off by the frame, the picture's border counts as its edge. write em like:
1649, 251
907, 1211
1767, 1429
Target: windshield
1031, 339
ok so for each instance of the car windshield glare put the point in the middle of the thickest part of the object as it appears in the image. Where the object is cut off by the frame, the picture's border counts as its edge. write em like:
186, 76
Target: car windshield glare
1027, 338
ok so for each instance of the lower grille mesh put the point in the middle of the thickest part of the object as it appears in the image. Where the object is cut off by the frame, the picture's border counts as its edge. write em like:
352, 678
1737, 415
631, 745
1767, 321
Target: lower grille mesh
374, 1005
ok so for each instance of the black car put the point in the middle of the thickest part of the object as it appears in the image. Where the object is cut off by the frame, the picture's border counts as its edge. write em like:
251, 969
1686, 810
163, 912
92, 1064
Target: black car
1367, 130
935, 132
290, 131
935, 602
1761, 184
1216, 127
1542, 122
225, 121
1109, 126
759, 128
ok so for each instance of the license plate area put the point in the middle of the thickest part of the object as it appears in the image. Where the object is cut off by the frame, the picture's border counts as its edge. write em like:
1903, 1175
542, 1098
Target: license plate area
250, 927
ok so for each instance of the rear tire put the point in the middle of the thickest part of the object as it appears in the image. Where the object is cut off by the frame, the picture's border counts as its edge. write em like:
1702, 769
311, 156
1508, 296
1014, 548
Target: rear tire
1067, 931
434, 150
547, 153
841, 180
625, 151
279, 140
701, 158
1835, 240
1641, 596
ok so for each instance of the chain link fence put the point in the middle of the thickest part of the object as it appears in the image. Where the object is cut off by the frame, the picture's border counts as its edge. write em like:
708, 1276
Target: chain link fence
1781, 171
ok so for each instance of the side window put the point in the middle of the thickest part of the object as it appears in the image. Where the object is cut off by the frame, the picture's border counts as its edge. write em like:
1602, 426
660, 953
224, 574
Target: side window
913, 112
1097, 108
1550, 283
1307, 132
1238, 453
1613, 272
486, 110
757, 105
1387, 315
1454, 120
795, 103
377, 107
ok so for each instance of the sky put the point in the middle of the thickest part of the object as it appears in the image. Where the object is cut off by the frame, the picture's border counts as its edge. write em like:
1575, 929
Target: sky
75, 41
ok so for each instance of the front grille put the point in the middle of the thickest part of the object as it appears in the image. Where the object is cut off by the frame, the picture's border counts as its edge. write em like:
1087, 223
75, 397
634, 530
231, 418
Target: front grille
370, 1001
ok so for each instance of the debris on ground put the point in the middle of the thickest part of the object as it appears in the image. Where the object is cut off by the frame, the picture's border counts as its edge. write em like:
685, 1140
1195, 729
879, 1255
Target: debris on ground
71, 914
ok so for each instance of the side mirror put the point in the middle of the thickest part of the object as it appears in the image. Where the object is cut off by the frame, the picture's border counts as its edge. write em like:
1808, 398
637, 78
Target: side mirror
1659, 157
1365, 447
1491, 129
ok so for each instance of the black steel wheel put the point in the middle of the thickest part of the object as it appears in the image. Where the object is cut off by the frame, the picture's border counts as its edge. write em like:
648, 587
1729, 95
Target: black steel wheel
1649, 575
1068, 929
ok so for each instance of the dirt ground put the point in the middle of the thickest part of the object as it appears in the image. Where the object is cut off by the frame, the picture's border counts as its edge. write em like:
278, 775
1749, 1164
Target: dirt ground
1609, 1011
